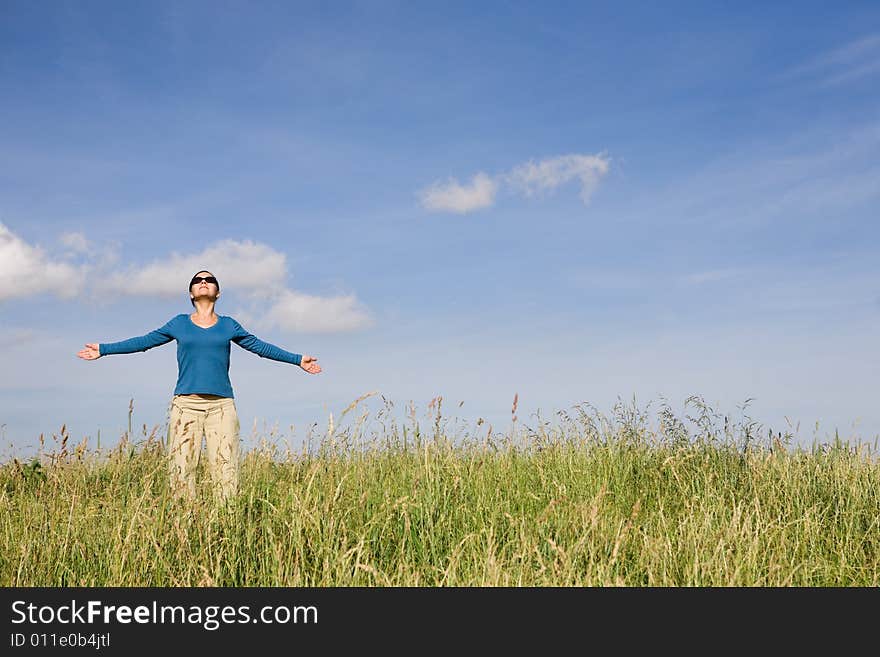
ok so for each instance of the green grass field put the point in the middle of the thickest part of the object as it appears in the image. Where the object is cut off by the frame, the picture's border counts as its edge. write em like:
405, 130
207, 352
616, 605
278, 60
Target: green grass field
586, 502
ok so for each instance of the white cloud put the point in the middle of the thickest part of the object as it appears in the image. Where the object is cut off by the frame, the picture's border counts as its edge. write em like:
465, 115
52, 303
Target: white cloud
244, 265
255, 270
27, 270
453, 197
529, 179
537, 177
295, 311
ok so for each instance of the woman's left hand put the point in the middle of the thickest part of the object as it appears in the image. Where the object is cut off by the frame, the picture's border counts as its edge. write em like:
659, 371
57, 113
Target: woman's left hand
310, 364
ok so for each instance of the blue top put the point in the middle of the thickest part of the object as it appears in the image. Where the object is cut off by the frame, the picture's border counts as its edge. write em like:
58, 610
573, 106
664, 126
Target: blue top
202, 353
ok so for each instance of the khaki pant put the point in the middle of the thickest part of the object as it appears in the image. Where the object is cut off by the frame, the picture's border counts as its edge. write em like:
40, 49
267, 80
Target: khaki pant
215, 418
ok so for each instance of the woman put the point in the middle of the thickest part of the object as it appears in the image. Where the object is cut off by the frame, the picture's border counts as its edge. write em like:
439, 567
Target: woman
203, 402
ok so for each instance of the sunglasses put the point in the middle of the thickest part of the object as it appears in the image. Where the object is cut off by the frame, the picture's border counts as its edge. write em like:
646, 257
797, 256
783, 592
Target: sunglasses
206, 279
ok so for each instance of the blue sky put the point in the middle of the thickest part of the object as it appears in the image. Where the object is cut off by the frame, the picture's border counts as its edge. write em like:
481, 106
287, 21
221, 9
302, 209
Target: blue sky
570, 202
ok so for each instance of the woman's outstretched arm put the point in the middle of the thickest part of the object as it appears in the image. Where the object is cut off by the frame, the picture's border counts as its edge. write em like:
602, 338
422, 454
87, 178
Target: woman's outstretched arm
160, 336
248, 341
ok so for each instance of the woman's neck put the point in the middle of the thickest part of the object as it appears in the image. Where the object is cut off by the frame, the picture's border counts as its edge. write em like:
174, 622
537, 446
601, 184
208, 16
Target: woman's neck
205, 310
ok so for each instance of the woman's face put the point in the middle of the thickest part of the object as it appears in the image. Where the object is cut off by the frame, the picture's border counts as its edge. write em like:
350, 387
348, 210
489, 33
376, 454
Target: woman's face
204, 289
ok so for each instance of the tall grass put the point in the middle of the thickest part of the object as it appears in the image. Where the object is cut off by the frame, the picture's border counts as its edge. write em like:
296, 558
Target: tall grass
589, 501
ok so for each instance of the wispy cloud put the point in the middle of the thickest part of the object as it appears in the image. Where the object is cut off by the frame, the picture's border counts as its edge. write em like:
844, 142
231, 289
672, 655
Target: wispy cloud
811, 176
450, 196
17, 336
27, 270
528, 179
75, 242
538, 177
853, 61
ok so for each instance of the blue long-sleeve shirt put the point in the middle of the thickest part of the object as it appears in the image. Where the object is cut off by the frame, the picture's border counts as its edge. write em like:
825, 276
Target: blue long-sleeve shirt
202, 353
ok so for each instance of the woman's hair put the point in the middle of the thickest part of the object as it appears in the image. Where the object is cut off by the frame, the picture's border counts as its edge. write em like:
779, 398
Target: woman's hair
192, 282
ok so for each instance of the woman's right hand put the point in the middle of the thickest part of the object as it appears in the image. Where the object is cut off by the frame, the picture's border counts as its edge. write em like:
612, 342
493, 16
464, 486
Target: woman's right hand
91, 352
